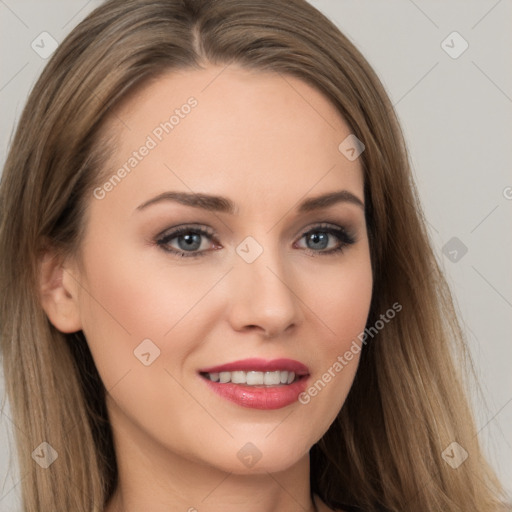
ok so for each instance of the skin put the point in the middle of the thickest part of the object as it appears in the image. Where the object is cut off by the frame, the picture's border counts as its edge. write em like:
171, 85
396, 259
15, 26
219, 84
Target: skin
266, 142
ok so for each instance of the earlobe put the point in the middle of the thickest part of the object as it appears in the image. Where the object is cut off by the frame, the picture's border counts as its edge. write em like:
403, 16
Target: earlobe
58, 294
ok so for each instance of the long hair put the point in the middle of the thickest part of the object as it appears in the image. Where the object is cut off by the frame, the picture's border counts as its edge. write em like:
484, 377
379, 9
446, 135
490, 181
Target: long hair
408, 402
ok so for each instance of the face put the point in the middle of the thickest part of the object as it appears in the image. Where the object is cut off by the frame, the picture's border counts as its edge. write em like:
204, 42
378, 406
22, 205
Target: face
177, 292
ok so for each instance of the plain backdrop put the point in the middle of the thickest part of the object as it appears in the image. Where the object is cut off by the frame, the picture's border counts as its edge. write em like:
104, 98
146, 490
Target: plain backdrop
447, 68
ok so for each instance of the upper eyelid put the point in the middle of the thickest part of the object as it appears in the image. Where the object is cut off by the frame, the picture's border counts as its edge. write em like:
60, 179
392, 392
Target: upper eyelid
212, 232
325, 225
187, 227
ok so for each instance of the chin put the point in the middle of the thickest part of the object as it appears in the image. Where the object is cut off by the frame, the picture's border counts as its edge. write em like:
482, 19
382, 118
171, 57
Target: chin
270, 455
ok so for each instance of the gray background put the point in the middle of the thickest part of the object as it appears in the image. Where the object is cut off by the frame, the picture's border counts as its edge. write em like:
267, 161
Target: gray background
456, 115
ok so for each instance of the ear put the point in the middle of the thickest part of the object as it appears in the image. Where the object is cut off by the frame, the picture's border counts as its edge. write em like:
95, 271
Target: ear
58, 293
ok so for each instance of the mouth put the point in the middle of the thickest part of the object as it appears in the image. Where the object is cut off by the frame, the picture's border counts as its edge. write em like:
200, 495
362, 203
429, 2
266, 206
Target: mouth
254, 378
257, 383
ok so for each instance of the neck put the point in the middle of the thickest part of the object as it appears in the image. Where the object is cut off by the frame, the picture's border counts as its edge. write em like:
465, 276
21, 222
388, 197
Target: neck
217, 492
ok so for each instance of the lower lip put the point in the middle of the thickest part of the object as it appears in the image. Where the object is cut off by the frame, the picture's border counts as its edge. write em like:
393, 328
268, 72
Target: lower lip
254, 397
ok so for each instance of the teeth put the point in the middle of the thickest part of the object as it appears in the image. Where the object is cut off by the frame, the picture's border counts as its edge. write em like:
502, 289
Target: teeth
253, 378
238, 377
271, 378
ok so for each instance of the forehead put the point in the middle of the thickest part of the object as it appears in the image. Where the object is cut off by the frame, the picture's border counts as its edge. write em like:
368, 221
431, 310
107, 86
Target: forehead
231, 131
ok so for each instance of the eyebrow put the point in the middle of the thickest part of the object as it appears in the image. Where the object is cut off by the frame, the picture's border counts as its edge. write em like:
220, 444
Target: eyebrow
224, 205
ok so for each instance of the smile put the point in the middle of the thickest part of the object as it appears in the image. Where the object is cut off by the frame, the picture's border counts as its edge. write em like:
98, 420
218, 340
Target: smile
257, 383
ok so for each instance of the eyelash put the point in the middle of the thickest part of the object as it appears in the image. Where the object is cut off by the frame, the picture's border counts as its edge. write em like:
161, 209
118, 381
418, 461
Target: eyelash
340, 233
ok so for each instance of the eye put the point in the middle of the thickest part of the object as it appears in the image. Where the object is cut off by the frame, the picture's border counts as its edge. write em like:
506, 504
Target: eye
317, 239
188, 240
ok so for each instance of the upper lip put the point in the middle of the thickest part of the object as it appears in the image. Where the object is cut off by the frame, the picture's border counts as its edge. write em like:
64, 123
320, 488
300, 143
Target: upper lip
259, 365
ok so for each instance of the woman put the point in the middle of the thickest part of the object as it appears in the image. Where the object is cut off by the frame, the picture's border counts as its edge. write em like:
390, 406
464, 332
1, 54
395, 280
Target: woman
219, 293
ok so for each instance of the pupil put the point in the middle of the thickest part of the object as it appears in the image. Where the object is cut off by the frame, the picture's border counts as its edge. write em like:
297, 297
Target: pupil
192, 241
319, 238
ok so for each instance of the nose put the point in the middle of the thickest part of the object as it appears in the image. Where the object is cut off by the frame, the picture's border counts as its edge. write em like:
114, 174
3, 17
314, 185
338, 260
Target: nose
262, 296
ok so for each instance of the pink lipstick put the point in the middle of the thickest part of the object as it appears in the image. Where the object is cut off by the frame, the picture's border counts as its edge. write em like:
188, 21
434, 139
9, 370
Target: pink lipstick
258, 383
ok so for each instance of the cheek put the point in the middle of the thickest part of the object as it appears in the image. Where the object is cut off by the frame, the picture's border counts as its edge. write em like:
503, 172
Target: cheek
342, 299
142, 318
135, 298
343, 311
137, 325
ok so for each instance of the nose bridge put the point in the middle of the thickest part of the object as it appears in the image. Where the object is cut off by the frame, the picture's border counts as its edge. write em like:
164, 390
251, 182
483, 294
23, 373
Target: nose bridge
263, 282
